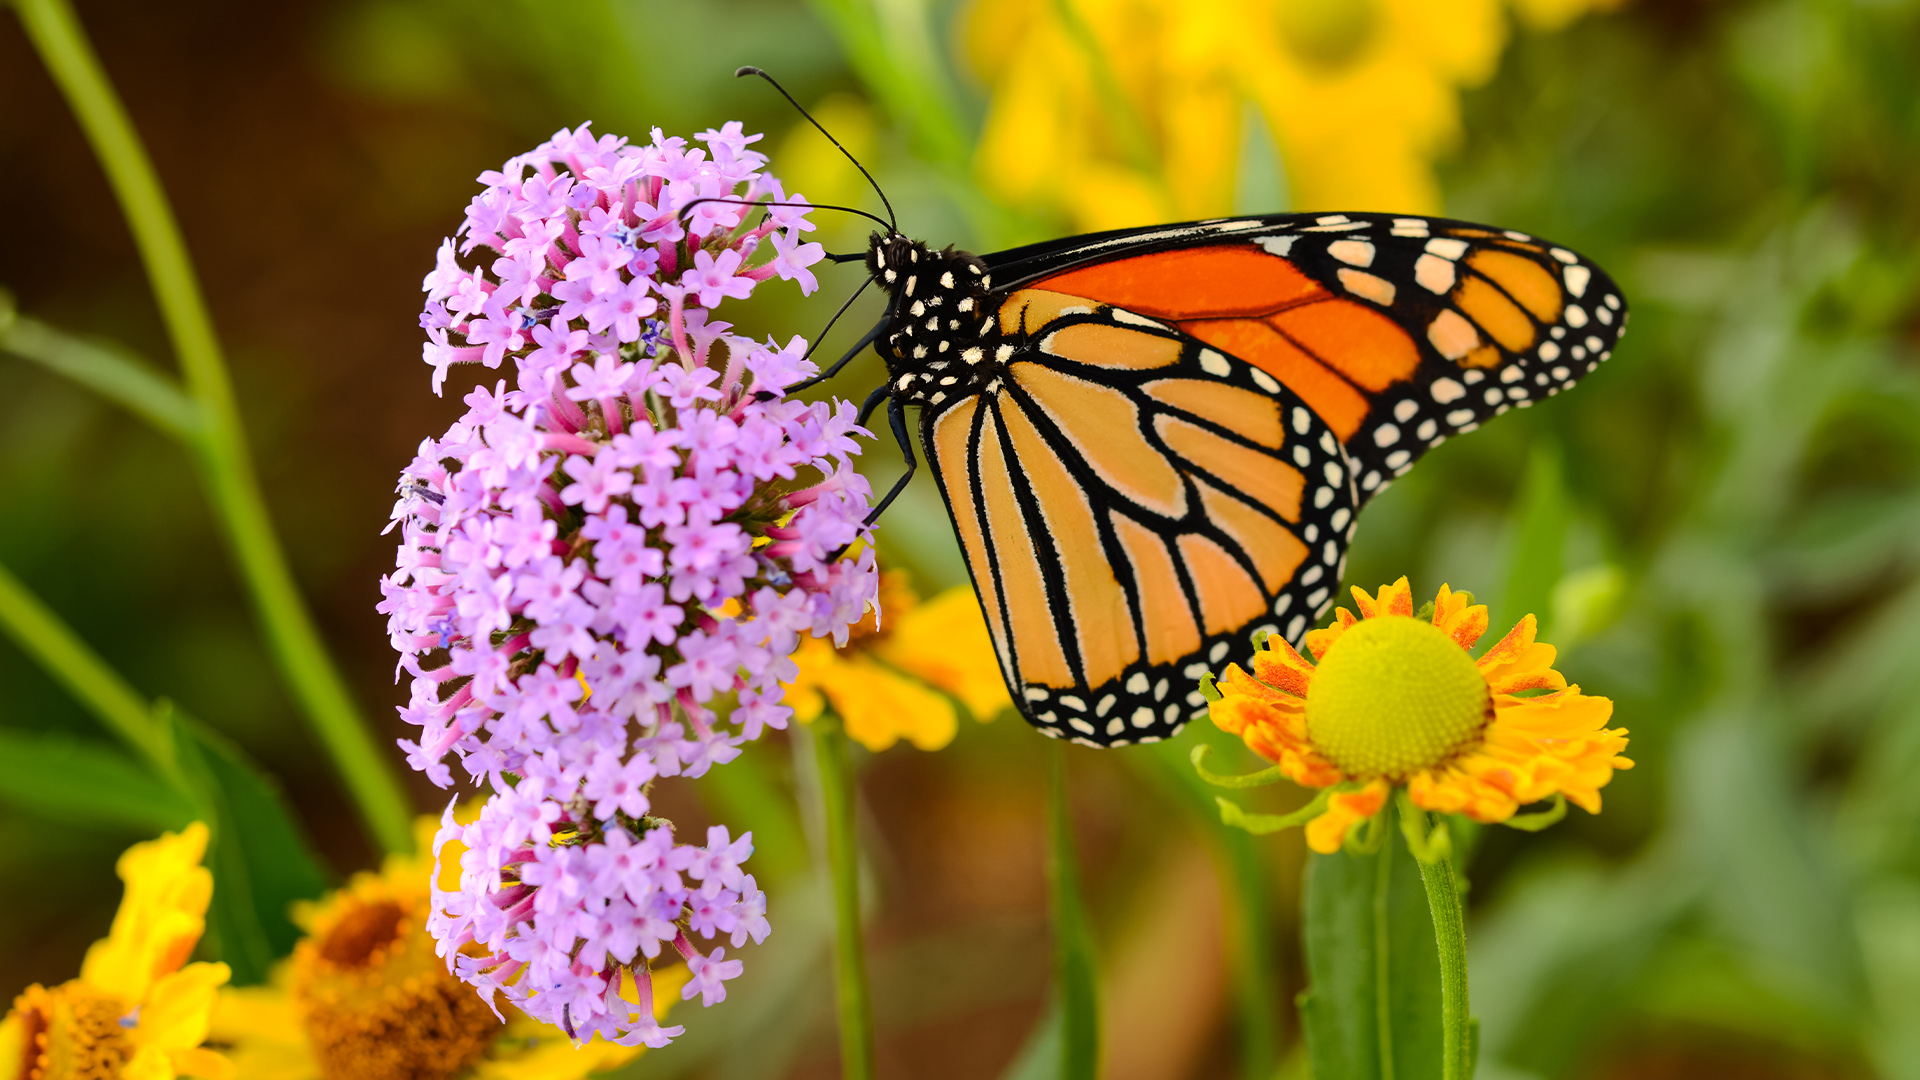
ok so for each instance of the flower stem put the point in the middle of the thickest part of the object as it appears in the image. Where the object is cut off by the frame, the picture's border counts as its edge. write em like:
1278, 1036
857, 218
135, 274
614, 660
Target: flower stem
843, 865
220, 444
1450, 934
1075, 984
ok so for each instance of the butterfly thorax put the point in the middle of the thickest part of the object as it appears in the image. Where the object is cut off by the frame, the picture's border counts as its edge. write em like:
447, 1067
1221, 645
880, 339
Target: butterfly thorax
932, 341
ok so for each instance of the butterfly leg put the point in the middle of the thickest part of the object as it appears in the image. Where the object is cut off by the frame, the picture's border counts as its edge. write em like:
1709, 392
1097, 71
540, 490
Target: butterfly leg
858, 347
897, 418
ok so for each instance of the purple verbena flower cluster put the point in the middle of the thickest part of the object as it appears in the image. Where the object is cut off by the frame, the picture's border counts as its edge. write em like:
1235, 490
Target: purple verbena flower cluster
570, 907
605, 569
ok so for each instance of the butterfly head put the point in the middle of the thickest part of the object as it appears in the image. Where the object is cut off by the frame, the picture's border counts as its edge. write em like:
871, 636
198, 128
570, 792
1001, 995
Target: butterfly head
935, 315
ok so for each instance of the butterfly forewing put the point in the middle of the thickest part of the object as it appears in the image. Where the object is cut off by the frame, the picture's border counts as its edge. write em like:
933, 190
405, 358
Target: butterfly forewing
1398, 331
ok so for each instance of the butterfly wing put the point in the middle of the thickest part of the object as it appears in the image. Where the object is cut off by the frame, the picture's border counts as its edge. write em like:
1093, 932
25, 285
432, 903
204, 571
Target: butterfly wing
1399, 332
1132, 502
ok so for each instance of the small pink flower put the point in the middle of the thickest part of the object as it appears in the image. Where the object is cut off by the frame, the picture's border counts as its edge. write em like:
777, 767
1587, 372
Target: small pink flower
712, 280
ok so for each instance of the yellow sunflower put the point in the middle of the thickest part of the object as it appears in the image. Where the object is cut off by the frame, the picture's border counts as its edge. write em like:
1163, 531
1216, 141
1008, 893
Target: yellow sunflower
135, 1012
364, 997
908, 677
1396, 700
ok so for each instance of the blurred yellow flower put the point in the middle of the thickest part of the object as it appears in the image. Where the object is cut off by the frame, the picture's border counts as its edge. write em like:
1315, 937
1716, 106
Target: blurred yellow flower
1395, 700
364, 997
1112, 113
135, 1013
892, 680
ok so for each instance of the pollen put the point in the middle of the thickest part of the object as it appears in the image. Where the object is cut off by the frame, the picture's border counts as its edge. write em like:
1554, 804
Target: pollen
1394, 696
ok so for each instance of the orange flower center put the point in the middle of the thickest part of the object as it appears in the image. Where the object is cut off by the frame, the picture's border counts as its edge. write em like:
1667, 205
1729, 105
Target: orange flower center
376, 1001
1394, 696
73, 1032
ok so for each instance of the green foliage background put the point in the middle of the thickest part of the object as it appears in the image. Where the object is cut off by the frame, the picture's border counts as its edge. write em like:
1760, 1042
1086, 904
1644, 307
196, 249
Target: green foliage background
1720, 528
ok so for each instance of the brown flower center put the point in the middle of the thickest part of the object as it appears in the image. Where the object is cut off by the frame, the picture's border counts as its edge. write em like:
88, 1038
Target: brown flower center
361, 936
378, 1004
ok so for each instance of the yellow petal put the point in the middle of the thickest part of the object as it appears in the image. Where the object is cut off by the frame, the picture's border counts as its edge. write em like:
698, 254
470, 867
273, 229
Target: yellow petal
177, 1014
1458, 619
1344, 810
880, 707
151, 1063
161, 916
945, 642
13, 1038
265, 1036
204, 1063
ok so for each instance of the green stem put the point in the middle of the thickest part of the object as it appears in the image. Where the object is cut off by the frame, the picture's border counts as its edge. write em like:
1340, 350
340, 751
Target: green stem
1450, 934
1075, 983
1383, 960
1253, 956
221, 443
41, 635
843, 866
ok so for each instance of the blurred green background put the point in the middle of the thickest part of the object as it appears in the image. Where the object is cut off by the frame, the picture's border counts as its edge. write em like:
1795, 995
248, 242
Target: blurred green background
1720, 528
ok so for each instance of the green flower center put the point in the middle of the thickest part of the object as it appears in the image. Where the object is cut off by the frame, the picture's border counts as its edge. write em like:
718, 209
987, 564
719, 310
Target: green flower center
1393, 696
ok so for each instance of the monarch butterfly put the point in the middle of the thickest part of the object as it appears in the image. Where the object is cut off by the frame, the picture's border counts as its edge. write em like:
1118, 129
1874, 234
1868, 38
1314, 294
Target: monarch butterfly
1153, 442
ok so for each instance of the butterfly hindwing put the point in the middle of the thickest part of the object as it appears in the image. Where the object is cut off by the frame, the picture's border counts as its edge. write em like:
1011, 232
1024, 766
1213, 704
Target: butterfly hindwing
1133, 504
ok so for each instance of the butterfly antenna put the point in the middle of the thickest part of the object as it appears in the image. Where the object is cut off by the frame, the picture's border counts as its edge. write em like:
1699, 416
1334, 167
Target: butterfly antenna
751, 70
796, 205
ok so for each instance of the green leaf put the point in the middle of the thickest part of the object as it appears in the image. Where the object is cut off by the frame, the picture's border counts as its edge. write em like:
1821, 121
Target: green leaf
1372, 1010
83, 782
1075, 974
1540, 526
260, 858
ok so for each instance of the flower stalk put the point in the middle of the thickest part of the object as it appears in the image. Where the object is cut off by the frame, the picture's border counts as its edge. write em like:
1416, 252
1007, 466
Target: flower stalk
219, 442
843, 871
1450, 936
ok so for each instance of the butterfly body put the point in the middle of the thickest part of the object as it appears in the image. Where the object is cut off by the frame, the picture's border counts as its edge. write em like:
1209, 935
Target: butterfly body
933, 341
1153, 443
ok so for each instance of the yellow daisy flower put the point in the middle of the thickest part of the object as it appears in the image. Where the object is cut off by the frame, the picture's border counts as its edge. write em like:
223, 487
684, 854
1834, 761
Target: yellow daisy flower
364, 997
1396, 700
900, 679
135, 1013
1111, 113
